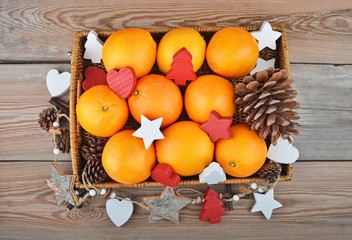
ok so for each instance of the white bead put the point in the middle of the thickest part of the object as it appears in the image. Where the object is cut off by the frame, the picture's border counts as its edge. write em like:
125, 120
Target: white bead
92, 192
113, 195
236, 198
260, 190
76, 192
56, 151
102, 191
254, 186
56, 124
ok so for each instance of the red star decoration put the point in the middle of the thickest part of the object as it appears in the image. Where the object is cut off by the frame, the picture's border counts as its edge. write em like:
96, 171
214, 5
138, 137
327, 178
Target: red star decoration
217, 126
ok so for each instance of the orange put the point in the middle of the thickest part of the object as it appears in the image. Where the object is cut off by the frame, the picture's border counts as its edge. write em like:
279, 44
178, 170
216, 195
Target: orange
126, 160
156, 96
130, 47
208, 93
232, 52
179, 38
186, 148
243, 154
101, 112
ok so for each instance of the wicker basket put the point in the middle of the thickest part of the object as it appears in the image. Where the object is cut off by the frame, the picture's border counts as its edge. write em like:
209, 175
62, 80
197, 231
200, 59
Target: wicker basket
78, 135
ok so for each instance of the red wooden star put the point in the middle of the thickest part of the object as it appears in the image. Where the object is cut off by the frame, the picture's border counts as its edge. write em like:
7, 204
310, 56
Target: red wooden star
217, 126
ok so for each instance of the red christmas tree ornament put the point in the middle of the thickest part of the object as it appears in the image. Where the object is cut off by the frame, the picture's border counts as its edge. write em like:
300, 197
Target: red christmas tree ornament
164, 174
217, 126
94, 76
212, 209
181, 68
122, 82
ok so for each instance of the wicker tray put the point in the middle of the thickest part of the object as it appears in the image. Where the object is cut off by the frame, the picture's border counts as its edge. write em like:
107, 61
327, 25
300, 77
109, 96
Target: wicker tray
78, 135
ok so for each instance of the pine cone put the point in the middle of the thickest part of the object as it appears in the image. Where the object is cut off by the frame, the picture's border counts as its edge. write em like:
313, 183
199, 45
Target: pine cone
47, 117
95, 172
63, 141
93, 149
270, 171
268, 98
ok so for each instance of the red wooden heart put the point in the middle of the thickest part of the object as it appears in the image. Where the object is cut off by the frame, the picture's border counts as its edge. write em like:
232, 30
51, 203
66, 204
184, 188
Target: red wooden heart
164, 174
122, 82
94, 76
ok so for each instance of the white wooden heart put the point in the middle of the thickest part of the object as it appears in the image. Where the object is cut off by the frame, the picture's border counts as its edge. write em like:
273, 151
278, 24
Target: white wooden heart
119, 211
283, 152
58, 84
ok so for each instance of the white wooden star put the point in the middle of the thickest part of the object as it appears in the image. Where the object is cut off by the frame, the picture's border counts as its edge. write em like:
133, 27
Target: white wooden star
149, 131
265, 203
263, 65
266, 36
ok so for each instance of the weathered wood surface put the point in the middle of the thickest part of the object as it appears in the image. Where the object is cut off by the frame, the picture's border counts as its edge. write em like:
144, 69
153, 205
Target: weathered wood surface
324, 92
23, 95
326, 113
316, 204
319, 31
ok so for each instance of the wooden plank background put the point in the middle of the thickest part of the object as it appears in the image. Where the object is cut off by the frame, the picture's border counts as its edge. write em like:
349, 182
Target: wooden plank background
314, 206
318, 31
35, 36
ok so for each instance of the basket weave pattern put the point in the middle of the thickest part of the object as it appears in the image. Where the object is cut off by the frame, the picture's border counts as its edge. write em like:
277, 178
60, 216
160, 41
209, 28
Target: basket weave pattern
78, 135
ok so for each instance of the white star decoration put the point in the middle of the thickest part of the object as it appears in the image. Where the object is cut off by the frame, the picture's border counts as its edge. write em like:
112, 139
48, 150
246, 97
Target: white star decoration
265, 203
263, 65
266, 36
149, 131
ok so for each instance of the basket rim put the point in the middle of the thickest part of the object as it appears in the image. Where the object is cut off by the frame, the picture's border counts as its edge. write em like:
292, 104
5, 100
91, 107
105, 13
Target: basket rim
75, 92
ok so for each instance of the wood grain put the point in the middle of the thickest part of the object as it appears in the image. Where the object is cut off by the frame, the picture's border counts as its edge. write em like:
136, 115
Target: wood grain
23, 95
326, 112
324, 92
318, 31
316, 203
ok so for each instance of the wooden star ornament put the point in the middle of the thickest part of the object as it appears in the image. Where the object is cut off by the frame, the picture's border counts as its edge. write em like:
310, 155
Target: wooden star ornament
149, 131
265, 203
266, 36
166, 206
62, 185
217, 126
263, 65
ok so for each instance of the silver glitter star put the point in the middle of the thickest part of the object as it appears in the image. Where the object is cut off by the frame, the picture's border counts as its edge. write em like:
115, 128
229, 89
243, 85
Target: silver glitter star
167, 205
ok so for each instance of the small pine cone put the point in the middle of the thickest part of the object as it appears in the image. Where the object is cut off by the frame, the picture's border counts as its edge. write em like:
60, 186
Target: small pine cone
92, 150
270, 171
63, 141
267, 97
47, 117
95, 172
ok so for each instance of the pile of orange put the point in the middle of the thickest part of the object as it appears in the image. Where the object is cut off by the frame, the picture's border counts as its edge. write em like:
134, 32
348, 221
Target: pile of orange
231, 53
